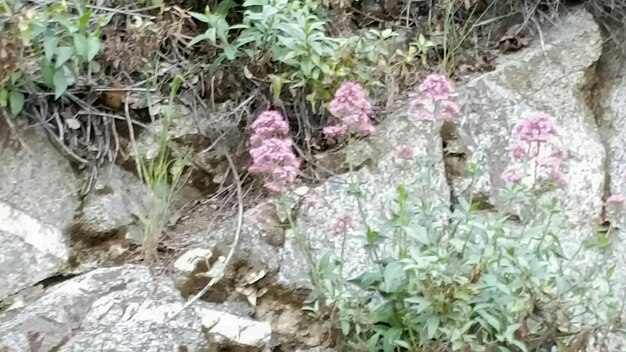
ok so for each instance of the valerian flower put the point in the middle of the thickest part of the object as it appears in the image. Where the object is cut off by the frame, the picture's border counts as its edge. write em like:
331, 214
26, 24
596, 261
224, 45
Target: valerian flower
272, 153
435, 102
343, 223
351, 108
405, 152
616, 200
536, 145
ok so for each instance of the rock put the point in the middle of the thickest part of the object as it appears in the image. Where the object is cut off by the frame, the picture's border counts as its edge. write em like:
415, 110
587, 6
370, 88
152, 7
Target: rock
38, 180
116, 201
555, 81
122, 309
31, 250
379, 172
195, 132
231, 330
611, 108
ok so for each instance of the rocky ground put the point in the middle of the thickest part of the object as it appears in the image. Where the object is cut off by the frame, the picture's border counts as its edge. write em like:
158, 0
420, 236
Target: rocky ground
69, 281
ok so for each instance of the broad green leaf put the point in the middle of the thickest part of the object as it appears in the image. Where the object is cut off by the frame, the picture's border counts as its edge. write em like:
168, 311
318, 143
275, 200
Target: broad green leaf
16, 102
50, 43
392, 277
211, 35
432, 324
64, 53
60, 84
81, 45
94, 47
230, 52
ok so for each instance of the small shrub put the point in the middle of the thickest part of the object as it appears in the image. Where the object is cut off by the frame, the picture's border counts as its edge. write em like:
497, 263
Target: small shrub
57, 41
291, 36
463, 280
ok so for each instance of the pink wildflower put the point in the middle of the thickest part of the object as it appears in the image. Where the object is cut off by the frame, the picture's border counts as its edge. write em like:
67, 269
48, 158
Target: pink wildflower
536, 128
352, 108
343, 223
269, 124
436, 87
511, 176
435, 102
536, 145
616, 200
272, 153
335, 131
349, 99
405, 152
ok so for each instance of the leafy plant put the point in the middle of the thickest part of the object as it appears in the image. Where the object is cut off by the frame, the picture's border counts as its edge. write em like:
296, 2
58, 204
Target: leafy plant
61, 38
461, 279
292, 36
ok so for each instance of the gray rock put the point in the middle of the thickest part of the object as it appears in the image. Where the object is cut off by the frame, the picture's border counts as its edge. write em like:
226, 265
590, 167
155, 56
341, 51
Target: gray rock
38, 180
232, 330
611, 107
555, 81
31, 250
115, 202
121, 309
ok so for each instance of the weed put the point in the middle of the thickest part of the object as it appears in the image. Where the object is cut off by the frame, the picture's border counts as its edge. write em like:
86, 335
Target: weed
162, 175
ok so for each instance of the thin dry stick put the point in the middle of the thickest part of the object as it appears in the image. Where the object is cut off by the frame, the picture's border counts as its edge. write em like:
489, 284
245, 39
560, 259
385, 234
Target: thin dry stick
131, 133
220, 274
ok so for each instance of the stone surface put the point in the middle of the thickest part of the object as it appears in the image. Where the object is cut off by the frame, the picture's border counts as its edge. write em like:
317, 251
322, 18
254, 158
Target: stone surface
38, 180
232, 330
555, 81
611, 107
31, 250
120, 309
114, 203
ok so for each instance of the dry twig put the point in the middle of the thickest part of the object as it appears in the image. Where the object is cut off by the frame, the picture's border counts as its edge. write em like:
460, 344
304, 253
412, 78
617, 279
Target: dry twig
231, 253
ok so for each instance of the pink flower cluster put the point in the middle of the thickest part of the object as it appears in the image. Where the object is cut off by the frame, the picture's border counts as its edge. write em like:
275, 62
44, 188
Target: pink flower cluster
352, 108
536, 145
271, 151
343, 223
435, 102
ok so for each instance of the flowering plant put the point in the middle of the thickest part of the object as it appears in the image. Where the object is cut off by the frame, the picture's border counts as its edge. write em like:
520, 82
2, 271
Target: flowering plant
473, 282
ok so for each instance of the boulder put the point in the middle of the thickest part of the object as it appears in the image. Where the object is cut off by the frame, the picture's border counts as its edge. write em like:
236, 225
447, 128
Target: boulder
38, 180
122, 309
554, 78
32, 250
115, 202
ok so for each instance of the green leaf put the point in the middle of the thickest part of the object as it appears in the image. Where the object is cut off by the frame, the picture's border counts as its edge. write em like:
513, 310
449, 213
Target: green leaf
3, 97
64, 53
198, 39
200, 17
211, 35
490, 319
50, 43
60, 84
16, 102
392, 277
81, 45
230, 52
432, 324
93, 47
